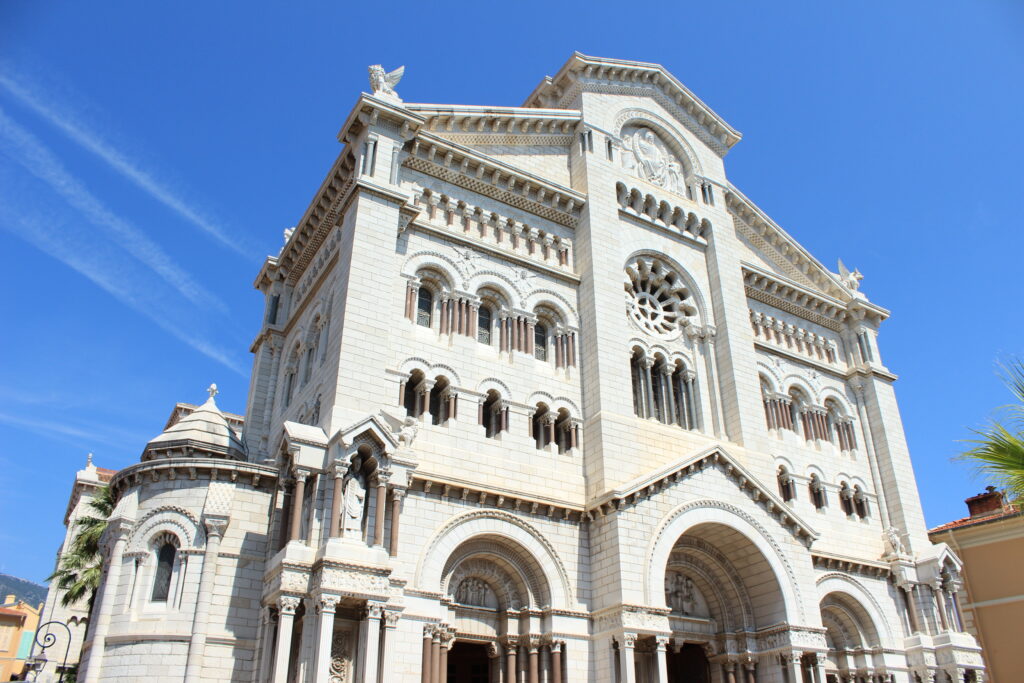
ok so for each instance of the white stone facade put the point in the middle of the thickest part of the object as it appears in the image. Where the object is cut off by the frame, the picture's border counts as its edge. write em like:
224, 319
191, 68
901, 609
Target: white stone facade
539, 396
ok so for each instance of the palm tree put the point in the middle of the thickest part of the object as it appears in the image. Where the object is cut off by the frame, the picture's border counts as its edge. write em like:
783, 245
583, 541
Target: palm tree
79, 569
998, 452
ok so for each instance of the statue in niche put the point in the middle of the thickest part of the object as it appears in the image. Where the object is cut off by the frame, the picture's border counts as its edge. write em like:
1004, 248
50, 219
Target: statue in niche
646, 155
354, 501
472, 591
680, 593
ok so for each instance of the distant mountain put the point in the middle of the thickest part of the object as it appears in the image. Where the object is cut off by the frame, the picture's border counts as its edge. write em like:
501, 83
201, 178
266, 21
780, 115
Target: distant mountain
29, 591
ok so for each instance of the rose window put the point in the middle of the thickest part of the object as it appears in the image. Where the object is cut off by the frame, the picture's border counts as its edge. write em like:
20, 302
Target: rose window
657, 299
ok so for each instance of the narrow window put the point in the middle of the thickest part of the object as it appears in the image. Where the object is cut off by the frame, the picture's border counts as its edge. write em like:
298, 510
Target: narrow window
864, 344
787, 489
275, 300
846, 499
637, 376
483, 325
539, 425
610, 150
439, 402
412, 396
308, 371
817, 490
711, 195
164, 570
493, 415
424, 307
289, 387
860, 502
540, 342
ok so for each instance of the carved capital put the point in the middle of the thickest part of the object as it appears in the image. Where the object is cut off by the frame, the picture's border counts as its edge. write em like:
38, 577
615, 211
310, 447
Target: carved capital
391, 618
287, 604
300, 474
329, 603
661, 642
629, 640
216, 525
373, 610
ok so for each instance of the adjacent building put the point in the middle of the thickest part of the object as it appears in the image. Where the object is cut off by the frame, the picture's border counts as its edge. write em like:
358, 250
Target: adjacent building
538, 395
991, 542
18, 622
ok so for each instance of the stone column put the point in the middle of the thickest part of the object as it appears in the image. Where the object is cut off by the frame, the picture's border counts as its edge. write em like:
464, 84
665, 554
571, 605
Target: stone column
397, 494
668, 386
435, 655
380, 505
534, 652
940, 598
266, 644
447, 639
322, 668
339, 493
370, 632
493, 663
818, 662
627, 669
730, 671
426, 668
908, 598
511, 643
118, 529
297, 498
215, 528
661, 655
791, 666
647, 364
387, 665
556, 661
714, 390
286, 606
749, 668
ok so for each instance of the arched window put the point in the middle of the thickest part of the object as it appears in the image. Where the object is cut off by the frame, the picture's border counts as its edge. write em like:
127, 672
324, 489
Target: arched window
540, 341
846, 499
484, 321
165, 557
681, 395
817, 490
787, 487
440, 401
424, 307
860, 502
291, 372
564, 432
493, 415
541, 426
412, 395
638, 375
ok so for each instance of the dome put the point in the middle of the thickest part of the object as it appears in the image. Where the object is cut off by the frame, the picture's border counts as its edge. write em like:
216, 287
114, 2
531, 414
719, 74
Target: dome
202, 432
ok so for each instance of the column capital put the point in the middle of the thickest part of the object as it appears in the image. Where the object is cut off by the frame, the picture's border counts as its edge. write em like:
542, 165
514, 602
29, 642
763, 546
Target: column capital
382, 477
373, 610
391, 618
287, 604
300, 474
329, 603
629, 640
398, 492
216, 525
661, 643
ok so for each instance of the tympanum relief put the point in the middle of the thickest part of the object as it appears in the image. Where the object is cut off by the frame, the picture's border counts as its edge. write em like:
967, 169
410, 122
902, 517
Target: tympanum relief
683, 597
647, 157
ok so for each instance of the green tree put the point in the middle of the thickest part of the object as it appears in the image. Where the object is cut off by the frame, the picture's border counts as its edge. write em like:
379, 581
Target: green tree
78, 572
997, 452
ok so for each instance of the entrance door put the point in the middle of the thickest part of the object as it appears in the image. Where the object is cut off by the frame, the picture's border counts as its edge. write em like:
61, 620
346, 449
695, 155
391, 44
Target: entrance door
468, 663
689, 665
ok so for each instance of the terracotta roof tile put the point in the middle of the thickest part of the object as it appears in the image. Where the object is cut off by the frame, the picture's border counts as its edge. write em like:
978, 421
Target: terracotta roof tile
1008, 511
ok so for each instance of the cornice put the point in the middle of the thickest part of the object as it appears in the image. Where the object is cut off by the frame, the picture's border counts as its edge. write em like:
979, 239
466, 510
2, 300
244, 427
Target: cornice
596, 73
494, 497
189, 468
845, 564
446, 120
793, 297
490, 177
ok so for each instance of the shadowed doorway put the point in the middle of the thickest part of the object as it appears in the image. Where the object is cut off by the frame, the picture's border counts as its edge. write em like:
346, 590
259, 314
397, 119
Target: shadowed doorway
689, 665
468, 663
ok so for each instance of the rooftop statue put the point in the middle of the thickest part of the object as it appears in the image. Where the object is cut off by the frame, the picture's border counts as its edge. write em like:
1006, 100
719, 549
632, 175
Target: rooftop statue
383, 84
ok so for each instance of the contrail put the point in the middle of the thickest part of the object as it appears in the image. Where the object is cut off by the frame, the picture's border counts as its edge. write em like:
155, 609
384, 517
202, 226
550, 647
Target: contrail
93, 142
29, 152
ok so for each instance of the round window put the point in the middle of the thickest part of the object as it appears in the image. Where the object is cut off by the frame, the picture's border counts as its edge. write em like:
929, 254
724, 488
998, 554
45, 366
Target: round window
657, 299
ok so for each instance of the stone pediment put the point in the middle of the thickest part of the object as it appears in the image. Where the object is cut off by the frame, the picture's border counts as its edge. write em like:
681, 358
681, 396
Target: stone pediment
620, 76
371, 426
650, 485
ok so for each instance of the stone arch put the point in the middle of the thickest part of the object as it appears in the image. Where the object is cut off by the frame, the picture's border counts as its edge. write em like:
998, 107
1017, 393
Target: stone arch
500, 283
665, 130
505, 529
832, 394
771, 374
175, 520
722, 575
870, 609
700, 513
489, 383
545, 297
447, 269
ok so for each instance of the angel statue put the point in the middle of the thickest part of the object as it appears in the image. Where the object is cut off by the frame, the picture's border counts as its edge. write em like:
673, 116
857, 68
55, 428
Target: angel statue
384, 83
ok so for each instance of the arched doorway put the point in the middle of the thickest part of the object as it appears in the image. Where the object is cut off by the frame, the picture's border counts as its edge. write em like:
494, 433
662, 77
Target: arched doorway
850, 634
689, 664
468, 662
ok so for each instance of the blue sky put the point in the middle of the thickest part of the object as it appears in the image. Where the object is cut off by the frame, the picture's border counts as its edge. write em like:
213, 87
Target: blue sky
152, 153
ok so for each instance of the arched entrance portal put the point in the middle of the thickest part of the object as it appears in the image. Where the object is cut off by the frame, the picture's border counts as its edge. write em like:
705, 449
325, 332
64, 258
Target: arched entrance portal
689, 665
468, 662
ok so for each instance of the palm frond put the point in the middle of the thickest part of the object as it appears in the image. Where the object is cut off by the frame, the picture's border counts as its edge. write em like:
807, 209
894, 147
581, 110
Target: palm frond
998, 455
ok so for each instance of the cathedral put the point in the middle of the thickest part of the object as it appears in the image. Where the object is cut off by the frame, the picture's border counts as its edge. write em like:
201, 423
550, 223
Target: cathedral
538, 396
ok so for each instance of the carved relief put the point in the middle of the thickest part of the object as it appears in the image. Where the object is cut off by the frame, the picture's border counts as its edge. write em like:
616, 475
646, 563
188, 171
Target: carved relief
648, 158
341, 657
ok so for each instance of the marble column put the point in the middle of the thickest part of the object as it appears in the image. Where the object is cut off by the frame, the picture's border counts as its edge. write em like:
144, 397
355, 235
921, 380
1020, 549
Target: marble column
908, 598
380, 505
118, 529
435, 656
325, 638
556, 661
286, 606
940, 599
339, 493
447, 639
370, 635
661, 655
818, 662
266, 644
390, 624
397, 494
215, 528
627, 668
791, 668
426, 668
511, 666
730, 671
298, 496
534, 653
750, 668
